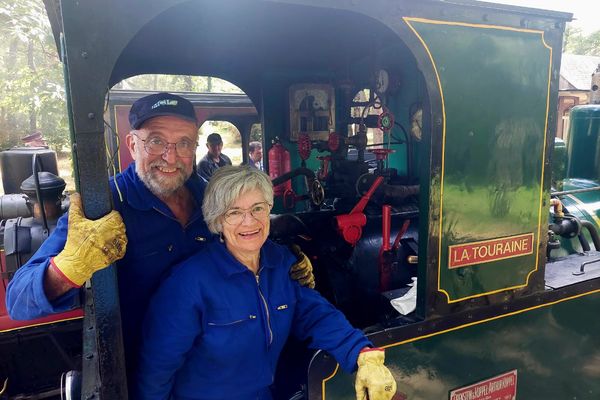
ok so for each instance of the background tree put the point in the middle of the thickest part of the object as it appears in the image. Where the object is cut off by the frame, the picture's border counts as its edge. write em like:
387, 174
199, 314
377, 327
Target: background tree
30, 76
575, 42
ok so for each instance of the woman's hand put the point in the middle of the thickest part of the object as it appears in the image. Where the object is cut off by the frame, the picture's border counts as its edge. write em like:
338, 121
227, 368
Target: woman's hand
302, 270
373, 380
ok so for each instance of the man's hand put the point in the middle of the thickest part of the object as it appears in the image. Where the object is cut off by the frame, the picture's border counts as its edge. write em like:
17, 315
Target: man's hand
91, 245
302, 270
373, 380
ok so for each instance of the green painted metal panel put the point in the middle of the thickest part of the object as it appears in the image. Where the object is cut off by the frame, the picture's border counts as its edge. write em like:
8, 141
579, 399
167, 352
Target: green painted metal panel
559, 163
584, 135
495, 91
553, 349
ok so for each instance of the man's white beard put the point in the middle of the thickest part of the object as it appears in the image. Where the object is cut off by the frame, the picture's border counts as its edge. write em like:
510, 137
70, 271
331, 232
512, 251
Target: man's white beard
162, 186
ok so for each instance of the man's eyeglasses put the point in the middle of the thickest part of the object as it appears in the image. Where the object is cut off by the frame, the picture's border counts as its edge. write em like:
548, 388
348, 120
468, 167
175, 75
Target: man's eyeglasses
237, 215
156, 146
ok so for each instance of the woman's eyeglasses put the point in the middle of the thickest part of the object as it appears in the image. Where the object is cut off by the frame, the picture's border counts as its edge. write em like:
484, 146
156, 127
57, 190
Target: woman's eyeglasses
258, 211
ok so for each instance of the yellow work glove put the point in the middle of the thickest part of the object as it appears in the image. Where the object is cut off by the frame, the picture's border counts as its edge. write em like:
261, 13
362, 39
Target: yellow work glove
302, 270
91, 245
373, 380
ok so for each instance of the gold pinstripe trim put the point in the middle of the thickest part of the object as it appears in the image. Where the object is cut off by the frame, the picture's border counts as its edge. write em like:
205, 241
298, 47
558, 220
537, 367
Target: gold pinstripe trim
40, 324
583, 207
510, 314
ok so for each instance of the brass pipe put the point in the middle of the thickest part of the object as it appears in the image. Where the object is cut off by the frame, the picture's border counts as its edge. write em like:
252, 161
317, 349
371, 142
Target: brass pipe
4, 387
558, 208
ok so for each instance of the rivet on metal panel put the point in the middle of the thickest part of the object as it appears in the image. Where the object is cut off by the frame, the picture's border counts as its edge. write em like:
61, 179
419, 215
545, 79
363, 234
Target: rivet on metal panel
89, 356
91, 115
84, 54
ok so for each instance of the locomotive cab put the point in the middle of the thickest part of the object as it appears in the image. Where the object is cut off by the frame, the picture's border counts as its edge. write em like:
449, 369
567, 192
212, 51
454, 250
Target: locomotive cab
409, 145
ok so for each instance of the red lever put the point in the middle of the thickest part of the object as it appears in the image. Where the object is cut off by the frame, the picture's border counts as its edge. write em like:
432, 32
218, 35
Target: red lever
350, 225
360, 206
400, 234
386, 223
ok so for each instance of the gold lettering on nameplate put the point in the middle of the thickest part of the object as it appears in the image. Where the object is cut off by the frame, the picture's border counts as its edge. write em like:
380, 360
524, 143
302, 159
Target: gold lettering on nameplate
465, 254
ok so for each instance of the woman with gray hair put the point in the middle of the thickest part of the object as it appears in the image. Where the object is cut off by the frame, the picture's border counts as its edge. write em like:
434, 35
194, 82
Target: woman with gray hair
216, 326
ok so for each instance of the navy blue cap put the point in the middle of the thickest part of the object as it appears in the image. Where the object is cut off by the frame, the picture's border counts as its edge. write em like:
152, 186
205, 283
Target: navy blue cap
159, 104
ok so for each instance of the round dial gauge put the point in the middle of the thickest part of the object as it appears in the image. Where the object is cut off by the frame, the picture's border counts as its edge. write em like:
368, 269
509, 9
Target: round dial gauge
382, 81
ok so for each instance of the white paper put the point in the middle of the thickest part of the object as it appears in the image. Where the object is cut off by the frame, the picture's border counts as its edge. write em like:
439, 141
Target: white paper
407, 303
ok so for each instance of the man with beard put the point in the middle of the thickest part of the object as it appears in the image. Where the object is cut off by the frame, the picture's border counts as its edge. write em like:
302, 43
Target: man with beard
157, 223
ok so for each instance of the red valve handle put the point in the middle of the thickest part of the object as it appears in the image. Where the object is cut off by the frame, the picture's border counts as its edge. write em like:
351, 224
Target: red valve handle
334, 142
304, 146
381, 154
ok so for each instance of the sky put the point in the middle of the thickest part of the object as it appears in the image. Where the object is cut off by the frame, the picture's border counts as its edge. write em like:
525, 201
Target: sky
586, 13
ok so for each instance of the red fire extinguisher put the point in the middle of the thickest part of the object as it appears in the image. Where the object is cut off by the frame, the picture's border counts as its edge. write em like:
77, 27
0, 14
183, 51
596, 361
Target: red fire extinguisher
279, 164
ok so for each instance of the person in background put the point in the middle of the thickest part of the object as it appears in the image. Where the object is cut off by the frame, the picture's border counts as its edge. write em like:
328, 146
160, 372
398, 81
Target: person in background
255, 155
157, 223
217, 325
213, 159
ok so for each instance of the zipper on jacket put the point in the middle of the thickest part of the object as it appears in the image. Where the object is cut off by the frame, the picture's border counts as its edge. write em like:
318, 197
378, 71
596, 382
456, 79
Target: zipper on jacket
230, 323
265, 306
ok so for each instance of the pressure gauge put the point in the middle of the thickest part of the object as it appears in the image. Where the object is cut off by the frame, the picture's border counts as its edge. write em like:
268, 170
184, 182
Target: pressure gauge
416, 124
382, 81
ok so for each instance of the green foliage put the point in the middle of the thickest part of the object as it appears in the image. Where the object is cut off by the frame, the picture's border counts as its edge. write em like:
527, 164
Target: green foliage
30, 75
575, 42
256, 133
178, 83
31, 78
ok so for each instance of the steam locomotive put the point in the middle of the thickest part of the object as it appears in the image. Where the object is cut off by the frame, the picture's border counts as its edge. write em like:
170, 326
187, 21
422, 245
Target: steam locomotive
412, 148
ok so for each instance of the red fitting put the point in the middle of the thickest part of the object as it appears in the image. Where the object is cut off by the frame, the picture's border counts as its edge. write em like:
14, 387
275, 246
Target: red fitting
350, 225
381, 154
386, 216
289, 199
304, 146
334, 142
324, 171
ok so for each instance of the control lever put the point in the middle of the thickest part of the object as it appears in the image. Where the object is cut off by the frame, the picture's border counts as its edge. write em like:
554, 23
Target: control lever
350, 225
